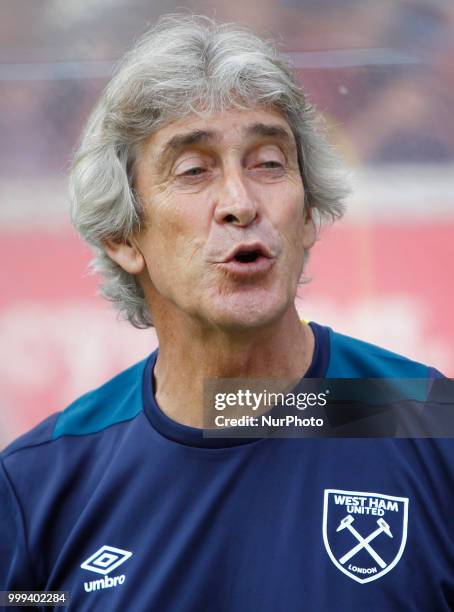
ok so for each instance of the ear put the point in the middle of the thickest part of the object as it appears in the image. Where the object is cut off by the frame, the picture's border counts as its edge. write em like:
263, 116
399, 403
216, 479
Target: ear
126, 254
309, 230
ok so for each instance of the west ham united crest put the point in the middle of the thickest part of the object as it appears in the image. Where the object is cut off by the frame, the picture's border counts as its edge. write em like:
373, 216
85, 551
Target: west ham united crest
364, 533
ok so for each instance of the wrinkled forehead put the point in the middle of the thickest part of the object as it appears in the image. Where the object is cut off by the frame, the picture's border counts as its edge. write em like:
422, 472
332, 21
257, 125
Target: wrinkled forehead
221, 128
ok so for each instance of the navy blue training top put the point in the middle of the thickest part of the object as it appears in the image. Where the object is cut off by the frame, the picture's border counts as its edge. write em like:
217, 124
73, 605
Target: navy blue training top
126, 509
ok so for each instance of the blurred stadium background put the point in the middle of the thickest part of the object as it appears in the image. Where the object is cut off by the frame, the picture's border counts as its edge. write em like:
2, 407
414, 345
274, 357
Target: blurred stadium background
382, 73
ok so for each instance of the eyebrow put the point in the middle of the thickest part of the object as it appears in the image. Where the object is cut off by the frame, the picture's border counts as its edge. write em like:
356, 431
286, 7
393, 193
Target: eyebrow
186, 140
259, 130
265, 130
180, 141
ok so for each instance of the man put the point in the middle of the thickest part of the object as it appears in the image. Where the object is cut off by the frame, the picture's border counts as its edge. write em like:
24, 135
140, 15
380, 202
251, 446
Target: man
199, 182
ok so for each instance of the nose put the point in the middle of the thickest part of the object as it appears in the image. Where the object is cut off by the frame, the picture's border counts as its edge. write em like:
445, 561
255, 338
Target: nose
235, 204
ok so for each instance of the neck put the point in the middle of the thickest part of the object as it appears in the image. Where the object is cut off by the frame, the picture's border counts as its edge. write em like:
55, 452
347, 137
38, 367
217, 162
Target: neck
189, 354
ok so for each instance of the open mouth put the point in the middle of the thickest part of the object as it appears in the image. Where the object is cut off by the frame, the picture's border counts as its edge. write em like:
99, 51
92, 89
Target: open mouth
248, 253
248, 256
247, 261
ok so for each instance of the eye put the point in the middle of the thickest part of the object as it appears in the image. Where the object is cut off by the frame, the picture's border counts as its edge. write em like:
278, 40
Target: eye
271, 164
193, 172
192, 165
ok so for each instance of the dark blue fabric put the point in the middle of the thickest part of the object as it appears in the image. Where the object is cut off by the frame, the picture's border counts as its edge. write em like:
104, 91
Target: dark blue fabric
225, 527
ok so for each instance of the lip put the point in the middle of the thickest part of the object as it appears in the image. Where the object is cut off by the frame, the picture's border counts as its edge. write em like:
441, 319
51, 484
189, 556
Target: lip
248, 248
246, 270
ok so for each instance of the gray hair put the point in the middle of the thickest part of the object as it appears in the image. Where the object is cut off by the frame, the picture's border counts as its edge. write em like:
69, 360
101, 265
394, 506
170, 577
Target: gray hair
184, 64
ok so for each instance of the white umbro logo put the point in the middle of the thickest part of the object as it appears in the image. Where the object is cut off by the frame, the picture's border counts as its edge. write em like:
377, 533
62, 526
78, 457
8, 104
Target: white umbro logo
105, 559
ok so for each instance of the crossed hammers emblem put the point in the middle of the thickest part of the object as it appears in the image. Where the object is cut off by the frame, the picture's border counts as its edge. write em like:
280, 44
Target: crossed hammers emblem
383, 527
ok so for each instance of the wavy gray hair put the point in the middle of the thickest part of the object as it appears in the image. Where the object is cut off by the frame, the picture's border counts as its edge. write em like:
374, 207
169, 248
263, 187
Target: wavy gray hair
184, 64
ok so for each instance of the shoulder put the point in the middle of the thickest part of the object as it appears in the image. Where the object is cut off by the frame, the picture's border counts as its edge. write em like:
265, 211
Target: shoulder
354, 358
116, 401
58, 464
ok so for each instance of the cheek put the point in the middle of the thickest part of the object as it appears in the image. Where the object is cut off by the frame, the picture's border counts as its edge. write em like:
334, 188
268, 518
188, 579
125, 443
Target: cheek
286, 200
173, 237
289, 215
293, 231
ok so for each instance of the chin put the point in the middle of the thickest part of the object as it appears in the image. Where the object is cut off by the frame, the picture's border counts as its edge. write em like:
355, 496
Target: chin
239, 313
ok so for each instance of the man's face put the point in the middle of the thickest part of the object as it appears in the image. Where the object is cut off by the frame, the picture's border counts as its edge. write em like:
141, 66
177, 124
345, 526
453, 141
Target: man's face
225, 222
